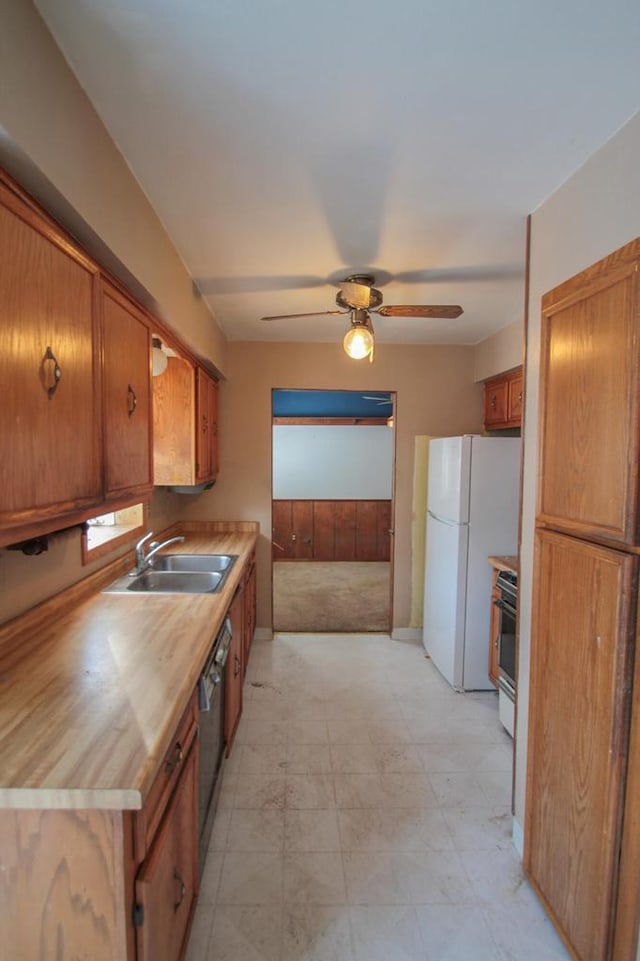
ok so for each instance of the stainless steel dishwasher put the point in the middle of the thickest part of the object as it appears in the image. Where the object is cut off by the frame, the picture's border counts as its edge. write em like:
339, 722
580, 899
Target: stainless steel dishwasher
211, 728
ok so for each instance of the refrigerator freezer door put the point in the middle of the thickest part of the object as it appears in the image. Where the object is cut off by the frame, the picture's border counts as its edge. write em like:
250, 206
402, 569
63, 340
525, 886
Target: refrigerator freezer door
449, 471
445, 597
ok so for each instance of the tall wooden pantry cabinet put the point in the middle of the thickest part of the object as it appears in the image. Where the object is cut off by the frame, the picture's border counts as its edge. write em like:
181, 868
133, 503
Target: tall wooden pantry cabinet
582, 810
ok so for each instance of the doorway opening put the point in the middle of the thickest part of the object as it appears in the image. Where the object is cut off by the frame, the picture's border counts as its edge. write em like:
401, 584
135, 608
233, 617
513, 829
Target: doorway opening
333, 455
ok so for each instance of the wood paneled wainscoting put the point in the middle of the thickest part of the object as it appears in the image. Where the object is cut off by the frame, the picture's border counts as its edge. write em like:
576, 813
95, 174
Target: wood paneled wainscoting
331, 530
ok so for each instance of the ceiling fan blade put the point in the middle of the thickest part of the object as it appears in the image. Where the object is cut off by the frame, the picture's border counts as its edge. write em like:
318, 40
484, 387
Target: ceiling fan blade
450, 311
314, 313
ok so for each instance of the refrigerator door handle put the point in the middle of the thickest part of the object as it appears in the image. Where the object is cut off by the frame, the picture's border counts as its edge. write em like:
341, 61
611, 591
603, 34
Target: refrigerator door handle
447, 521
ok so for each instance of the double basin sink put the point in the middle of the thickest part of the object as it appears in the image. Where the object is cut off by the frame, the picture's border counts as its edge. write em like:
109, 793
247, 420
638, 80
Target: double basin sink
177, 574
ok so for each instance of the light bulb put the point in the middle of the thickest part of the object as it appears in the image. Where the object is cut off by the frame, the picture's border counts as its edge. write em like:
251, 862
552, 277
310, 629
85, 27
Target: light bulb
358, 342
160, 359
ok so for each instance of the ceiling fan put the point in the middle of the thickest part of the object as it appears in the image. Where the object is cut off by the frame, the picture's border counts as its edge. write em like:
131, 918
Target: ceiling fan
359, 298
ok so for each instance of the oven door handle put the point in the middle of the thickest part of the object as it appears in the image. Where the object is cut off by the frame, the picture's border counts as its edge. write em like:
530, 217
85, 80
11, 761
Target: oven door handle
504, 606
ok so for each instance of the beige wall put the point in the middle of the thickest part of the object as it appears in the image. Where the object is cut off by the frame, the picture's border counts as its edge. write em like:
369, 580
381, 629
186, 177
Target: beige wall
25, 581
502, 351
54, 143
596, 211
436, 395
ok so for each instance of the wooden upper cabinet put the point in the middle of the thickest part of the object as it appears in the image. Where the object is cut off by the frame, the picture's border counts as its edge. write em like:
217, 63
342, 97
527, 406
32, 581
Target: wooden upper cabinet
50, 430
185, 425
503, 401
174, 437
589, 425
127, 395
578, 730
206, 426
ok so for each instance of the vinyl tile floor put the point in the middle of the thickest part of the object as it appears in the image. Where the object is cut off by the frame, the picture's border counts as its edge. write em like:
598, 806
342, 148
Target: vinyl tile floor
365, 816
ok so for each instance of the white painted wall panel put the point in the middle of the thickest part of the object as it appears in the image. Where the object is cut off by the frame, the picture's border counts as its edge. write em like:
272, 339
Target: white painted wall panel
332, 462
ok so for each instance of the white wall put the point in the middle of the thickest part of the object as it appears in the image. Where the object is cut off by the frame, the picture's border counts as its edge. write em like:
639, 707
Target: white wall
596, 211
332, 462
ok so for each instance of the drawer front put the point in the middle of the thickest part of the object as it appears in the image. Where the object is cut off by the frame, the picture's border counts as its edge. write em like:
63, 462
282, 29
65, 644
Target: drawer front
148, 819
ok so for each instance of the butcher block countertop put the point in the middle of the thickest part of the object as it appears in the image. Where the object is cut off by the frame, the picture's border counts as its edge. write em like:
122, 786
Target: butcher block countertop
90, 698
505, 563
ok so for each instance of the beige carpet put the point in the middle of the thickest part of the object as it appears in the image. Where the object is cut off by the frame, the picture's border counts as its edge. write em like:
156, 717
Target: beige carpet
331, 596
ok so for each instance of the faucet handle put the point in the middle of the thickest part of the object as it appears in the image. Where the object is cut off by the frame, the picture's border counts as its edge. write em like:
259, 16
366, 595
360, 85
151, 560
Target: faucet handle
143, 540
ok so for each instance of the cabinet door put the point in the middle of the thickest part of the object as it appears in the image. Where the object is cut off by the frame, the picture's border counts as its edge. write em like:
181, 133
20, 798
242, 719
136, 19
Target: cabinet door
174, 414
206, 426
234, 673
590, 371
580, 684
366, 530
249, 623
167, 883
127, 396
496, 400
516, 386
50, 426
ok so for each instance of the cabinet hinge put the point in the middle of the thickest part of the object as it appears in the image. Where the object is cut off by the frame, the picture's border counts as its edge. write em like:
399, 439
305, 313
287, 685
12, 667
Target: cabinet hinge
138, 915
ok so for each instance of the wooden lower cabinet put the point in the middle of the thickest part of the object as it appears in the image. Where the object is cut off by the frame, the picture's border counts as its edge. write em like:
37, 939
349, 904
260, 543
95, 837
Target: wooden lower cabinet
582, 653
249, 611
167, 882
234, 673
106, 885
494, 630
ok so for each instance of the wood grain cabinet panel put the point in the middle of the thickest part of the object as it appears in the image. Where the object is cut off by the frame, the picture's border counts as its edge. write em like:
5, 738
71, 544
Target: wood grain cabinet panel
503, 397
589, 424
167, 883
185, 425
127, 396
345, 530
101, 884
249, 613
580, 683
174, 432
234, 672
50, 416
206, 427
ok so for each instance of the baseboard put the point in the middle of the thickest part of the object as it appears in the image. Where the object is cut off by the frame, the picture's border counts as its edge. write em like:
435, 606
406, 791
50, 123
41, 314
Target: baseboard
263, 634
517, 837
409, 635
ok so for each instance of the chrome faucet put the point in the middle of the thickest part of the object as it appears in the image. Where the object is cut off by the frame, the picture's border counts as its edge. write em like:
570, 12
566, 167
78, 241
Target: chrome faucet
142, 559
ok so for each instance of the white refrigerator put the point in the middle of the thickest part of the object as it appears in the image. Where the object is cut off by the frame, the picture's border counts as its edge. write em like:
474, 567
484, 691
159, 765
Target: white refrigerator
472, 513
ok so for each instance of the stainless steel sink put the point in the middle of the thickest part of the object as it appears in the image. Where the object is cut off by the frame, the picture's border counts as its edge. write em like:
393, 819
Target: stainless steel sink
176, 582
178, 574
193, 562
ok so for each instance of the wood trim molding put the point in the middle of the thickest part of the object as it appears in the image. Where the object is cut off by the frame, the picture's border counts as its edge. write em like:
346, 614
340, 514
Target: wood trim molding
332, 421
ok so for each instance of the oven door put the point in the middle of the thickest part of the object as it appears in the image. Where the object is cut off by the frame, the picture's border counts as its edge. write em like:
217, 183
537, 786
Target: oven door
507, 646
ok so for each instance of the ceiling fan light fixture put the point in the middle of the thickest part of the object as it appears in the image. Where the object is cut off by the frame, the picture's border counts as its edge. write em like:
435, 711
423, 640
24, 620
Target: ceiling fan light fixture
358, 341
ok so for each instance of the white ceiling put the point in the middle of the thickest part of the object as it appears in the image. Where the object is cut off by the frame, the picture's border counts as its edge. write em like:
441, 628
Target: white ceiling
287, 143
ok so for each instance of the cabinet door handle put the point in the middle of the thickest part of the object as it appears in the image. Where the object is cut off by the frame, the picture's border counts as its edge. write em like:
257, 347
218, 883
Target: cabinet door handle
493, 402
57, 373
236, 665
182, 890
176, 758
132, 400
